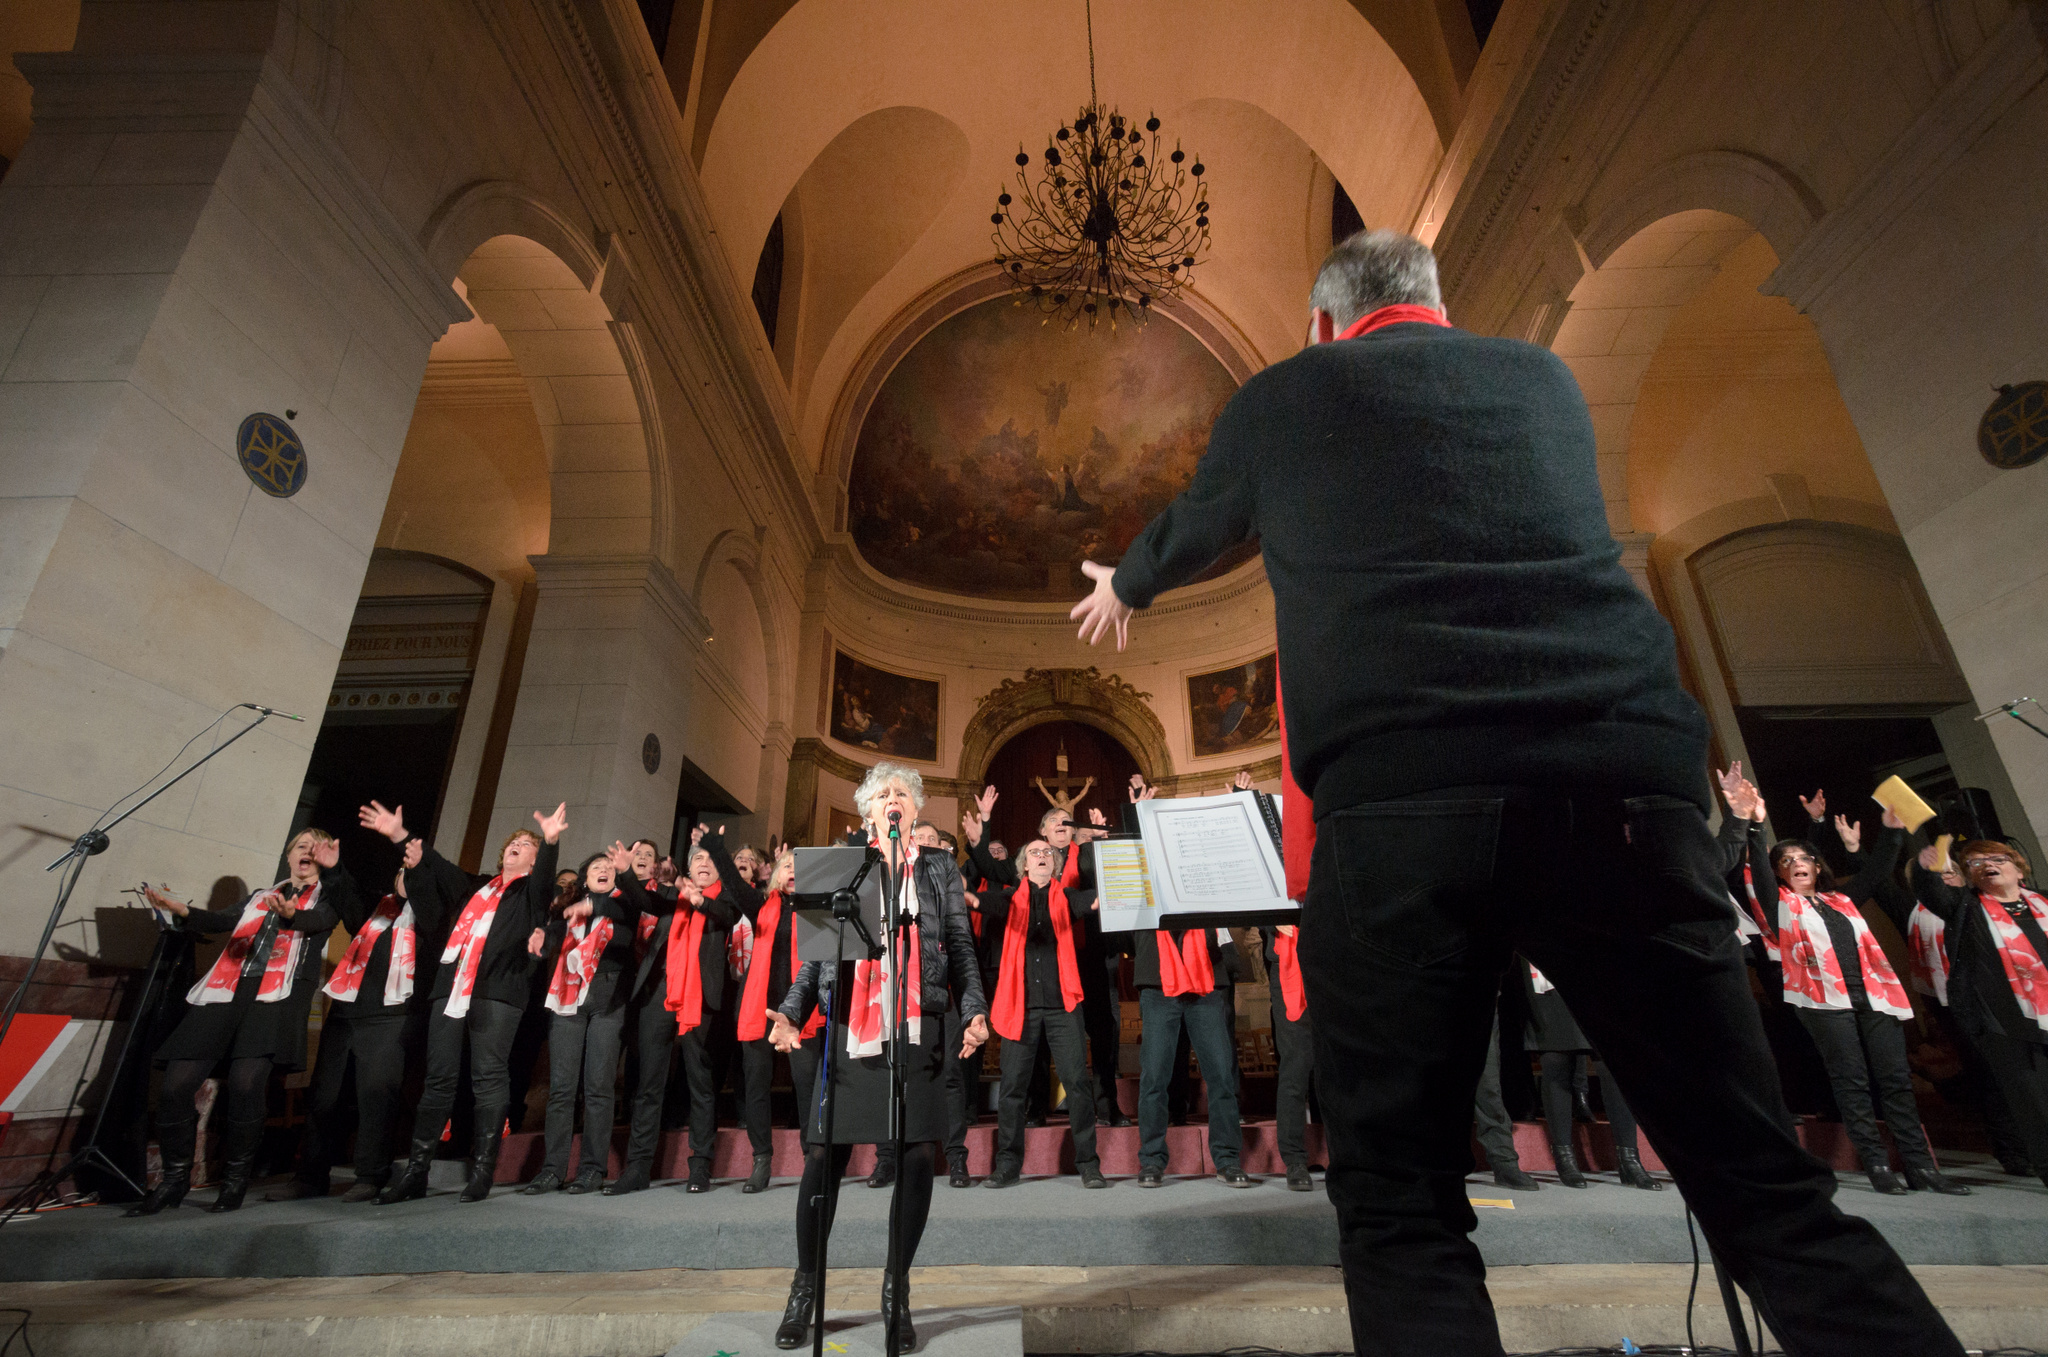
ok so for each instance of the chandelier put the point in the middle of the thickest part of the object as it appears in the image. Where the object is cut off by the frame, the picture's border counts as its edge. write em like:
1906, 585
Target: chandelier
1110, 226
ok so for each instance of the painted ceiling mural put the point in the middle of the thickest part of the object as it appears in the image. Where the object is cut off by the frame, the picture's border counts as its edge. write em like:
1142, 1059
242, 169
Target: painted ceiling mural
1001, 452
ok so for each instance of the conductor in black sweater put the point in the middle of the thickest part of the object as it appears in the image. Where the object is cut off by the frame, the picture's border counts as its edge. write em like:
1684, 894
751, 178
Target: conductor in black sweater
1486, 713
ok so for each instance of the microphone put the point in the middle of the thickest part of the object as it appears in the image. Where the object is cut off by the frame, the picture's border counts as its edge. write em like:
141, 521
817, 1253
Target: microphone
895, 824
2004, 708
271, 711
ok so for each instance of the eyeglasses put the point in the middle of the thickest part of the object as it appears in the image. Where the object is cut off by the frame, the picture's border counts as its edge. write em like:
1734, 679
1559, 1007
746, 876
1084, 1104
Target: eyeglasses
1794, 859
1974, 863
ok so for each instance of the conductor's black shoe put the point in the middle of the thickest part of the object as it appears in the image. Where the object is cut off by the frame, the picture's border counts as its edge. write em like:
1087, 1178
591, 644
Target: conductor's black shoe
884, 1174
1929, 1180
700, 1176
1887, 1182
757, 1181
588, 1181
1510, 1175
634, 1179
1230, 1175
1092, 1176
547, 1180
1151, 1177
1298, 1179
796, 1315
960, 1177
1004, 1176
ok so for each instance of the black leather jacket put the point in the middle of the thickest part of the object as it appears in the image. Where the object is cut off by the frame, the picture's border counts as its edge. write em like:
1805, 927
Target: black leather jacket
945, 944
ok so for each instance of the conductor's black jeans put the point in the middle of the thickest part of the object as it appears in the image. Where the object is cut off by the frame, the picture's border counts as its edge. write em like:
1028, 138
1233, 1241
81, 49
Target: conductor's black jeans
1413, 907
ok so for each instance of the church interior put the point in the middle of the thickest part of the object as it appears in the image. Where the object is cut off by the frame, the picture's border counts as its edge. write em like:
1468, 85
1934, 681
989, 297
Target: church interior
627, 406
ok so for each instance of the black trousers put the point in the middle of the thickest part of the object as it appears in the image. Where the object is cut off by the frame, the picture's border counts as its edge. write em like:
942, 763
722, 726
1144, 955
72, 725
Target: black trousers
1210, 1023
370, 1053
487, 1029
757, 1074
2020, 1069
700, 1051
1295, 1051
1102, 1015
1864, 1049
654, 1041
1496, 1127
963, 1089
1413, 907
1564, 1073
583, 1048
1067, 1034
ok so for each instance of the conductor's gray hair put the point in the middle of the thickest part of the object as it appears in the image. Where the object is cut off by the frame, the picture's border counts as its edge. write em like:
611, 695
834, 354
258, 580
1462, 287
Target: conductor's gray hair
1372, 269
877, 781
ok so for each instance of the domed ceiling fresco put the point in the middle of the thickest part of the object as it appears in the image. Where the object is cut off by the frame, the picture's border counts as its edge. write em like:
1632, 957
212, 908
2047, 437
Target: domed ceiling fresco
1001, 452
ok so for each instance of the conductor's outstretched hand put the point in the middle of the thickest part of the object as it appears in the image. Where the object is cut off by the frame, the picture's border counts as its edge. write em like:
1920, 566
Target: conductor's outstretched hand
1102, 610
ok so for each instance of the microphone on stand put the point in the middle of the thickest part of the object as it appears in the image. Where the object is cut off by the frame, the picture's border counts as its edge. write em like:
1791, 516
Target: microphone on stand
271, 711
895, 824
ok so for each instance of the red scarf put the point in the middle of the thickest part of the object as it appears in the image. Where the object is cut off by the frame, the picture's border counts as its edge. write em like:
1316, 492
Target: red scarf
1927, 958
1813, 973
395, 914
2025, 971
1007, 1015
866, 1013
1403, 313
218, 985
685, 952
753, 1024
1287, 951
1070, 872
1297, 846
576, 967
466, 941
1185, 969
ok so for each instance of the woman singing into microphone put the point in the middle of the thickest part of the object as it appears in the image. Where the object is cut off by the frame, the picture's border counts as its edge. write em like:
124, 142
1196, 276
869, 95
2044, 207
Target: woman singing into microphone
940, 961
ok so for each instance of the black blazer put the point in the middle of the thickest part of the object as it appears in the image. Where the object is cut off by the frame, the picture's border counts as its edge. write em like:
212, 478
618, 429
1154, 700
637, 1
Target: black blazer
505, 972
661, 902
945, 942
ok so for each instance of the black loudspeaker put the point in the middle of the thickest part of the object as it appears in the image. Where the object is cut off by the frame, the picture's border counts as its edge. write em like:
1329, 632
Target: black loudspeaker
1968, 813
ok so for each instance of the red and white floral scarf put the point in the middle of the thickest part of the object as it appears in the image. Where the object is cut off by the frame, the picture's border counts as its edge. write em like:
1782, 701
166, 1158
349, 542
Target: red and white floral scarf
870, 1011
2025, 970
1927, 958
466, 942
395, 914
582, 947
218, 984
1813, 973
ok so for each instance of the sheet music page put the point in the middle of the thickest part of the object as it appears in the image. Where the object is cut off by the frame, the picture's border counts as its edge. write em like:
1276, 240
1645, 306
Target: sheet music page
1210, 853
1123, 881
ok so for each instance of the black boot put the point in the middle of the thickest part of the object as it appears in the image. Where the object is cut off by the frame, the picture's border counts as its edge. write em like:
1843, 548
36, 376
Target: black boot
896, 1313
796, 1315
175, 1141
411, 1183
1633, 1174
1887, 1182
1508, 1173
483, 1164
757, 1181
1567, 1166
1932, 1180
242, 1141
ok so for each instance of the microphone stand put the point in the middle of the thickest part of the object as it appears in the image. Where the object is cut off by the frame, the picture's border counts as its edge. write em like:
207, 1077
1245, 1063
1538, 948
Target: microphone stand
845, 910
895, 917
95, 841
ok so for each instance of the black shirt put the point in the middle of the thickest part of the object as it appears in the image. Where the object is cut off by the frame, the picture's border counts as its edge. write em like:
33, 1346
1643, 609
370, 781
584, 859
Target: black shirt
1450, 601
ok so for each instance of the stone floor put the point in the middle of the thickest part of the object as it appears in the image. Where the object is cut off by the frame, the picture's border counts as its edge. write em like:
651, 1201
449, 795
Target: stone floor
1065, 1309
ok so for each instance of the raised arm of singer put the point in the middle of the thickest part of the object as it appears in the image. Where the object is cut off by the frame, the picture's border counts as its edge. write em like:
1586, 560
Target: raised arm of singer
1486, 710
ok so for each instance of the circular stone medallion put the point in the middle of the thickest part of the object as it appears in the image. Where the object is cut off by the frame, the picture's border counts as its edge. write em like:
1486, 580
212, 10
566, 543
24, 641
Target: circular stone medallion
2014, 431
650, 753
271, 453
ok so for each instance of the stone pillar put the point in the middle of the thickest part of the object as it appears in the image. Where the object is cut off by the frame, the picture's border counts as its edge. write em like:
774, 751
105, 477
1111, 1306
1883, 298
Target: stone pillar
182, 244
612, 660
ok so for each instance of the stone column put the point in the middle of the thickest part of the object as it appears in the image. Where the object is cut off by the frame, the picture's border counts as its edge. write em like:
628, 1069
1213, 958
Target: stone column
183, 244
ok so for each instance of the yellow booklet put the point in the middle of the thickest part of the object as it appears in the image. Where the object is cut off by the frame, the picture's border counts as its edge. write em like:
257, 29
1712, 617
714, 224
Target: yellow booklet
1895, 796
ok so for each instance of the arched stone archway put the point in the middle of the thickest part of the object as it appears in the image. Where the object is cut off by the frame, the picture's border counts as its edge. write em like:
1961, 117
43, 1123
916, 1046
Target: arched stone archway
1088, 696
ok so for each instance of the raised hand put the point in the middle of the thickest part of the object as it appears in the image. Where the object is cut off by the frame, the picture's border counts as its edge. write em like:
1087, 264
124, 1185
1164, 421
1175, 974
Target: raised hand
169, 904
551, 826
783, 1035
1136, 791
1744, 801
1931, 858
1097, 818
687, 892
389, 823
1851, 832
696, 835
620, 857
1816, 805
327, 853
1243, 781
1891, 819
970, 825
415, 849
986, 802
1102, 611
972, 1038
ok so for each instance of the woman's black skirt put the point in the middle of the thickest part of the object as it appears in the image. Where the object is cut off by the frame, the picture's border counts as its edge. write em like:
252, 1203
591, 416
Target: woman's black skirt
860, 1113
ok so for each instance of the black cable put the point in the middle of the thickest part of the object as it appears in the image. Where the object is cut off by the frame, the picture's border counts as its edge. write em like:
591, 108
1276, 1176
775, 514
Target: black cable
114, 809
20, 1330
1690, 1292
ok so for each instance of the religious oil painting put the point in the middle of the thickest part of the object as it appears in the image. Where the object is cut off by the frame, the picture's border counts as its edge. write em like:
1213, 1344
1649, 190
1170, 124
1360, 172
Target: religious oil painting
1001, 452
888, 713
1234, 708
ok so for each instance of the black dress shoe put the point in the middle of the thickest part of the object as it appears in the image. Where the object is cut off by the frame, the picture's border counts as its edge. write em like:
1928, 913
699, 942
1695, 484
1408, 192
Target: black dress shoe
960, 1177
361, 1190
1887, 1182
634, 1179
884, 1174
1035, 1123
757, 1181
1151, 1177
700, 1176
1511, 1176
1233, 1176
2016, 1168
587, 1182
1931, 1180
1298, 1179
1092, 1176
547, 1180
1004, 1176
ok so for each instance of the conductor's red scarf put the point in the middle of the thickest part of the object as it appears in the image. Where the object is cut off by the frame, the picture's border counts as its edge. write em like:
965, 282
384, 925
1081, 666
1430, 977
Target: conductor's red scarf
1401, 314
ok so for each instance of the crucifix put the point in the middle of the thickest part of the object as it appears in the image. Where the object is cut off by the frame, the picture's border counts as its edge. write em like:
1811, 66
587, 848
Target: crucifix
1064, 784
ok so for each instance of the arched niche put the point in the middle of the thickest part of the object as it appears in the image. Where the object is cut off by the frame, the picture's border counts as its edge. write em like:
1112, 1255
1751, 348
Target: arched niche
1088, 696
